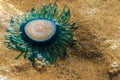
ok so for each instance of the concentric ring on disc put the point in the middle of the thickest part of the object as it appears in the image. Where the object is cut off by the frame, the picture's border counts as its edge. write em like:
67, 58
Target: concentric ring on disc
40, 30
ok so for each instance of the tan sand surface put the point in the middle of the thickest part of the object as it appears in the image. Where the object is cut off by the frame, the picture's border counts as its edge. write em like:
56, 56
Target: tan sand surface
98, 37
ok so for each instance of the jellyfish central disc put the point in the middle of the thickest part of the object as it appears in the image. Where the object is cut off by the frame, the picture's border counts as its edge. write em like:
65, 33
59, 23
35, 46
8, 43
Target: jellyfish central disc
40, 30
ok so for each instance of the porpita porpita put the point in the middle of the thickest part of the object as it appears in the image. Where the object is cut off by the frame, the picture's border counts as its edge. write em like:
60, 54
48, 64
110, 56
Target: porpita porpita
43, 33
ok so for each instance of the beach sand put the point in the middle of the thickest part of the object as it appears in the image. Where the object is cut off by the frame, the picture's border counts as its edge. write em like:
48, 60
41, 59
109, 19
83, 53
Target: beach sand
98, 37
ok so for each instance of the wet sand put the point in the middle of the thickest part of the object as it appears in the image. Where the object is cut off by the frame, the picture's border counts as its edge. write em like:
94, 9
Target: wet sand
98, 37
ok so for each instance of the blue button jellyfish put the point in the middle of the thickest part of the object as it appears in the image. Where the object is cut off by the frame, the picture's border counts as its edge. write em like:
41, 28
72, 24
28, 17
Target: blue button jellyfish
42, 33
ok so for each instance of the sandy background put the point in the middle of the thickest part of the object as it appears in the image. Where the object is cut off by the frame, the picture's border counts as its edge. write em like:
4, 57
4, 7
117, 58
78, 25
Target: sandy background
98, 37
